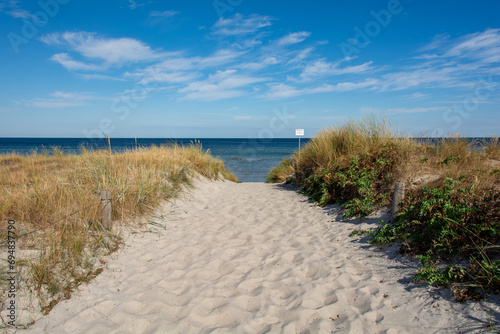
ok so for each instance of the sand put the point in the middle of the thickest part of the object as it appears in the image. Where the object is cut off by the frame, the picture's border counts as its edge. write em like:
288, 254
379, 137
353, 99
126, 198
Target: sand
257, 258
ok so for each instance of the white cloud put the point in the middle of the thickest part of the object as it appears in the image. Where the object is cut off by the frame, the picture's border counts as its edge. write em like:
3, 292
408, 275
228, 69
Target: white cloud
245, 44
301, 55
164, 14
477, 44
444, 63
437, 42
220, 57
280, 91
51, 39
393, 111
181, 63
416, 95
175, 64
452, 62
61, 99
435, 76
48, 104
260, 64
133, 4
243, 117
5, 110
293, 38
20, 13
110, 51
137, 94
65, 60
99, 77
221, 85
11, 7
184, 69
348, 86
69, 96
321, 68
170, 77
238, 25
156, 17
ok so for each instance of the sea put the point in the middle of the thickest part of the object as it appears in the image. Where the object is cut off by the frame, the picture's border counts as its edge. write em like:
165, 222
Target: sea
249, 159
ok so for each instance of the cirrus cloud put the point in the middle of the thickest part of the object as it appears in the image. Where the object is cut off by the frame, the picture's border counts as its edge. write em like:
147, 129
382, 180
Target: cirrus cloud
108, 51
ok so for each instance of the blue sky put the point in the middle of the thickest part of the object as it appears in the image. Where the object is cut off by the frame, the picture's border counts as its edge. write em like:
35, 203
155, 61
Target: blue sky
246, 68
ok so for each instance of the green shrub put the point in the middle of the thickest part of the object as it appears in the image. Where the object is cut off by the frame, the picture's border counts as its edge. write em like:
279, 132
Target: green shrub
357, 163
361, 185
442, 227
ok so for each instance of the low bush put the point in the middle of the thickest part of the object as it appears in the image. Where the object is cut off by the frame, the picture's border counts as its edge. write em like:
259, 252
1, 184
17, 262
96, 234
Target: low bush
455, 239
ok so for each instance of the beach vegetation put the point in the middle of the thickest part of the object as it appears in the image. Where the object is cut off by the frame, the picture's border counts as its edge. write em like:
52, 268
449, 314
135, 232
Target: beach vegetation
449, 218
280, 173
54, 199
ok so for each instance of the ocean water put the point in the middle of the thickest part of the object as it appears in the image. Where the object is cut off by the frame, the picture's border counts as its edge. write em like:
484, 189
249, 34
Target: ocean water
249, 159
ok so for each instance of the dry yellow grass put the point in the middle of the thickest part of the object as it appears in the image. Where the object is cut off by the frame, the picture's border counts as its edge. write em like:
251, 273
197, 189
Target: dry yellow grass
452, 192
40, 189
413, 160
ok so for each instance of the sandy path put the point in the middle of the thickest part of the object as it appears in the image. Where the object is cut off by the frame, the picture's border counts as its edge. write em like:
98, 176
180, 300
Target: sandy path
255, 258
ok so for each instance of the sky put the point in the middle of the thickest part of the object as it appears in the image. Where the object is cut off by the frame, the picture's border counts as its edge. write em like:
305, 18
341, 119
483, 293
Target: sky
247, 68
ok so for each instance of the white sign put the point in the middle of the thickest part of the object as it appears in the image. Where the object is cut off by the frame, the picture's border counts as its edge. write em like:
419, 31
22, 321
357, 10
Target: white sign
299, 132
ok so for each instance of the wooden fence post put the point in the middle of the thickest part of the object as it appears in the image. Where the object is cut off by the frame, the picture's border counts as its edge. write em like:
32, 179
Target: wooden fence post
399, 193
106, 209
182, 172
294, 165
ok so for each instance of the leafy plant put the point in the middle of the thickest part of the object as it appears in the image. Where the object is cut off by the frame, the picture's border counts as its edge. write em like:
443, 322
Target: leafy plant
440, 224
361, 185
453, 223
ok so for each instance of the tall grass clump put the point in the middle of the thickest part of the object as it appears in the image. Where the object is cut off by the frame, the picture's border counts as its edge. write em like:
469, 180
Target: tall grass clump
449, 218
55, 200
354, 163
280, 173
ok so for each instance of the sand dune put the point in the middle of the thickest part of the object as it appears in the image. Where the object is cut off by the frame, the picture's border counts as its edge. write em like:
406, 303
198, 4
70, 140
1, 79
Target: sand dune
256, 258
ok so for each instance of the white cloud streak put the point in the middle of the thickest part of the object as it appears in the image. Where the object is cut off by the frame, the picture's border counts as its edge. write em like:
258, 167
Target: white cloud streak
238, 25
396, 111
73, 65
109, 51
164, 14
156, 17
60, 99
280, 91
11, 7
221, 85
294, 38
321, 68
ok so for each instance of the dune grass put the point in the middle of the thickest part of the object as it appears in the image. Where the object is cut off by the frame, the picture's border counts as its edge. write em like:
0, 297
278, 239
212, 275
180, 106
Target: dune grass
450, 215
40, 191
281, 173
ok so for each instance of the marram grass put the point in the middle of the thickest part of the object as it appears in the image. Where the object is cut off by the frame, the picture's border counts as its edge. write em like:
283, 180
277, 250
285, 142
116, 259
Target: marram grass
41, 189
452, 206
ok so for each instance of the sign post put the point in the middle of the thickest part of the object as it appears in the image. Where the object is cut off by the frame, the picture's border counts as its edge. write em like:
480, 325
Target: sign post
299, 132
